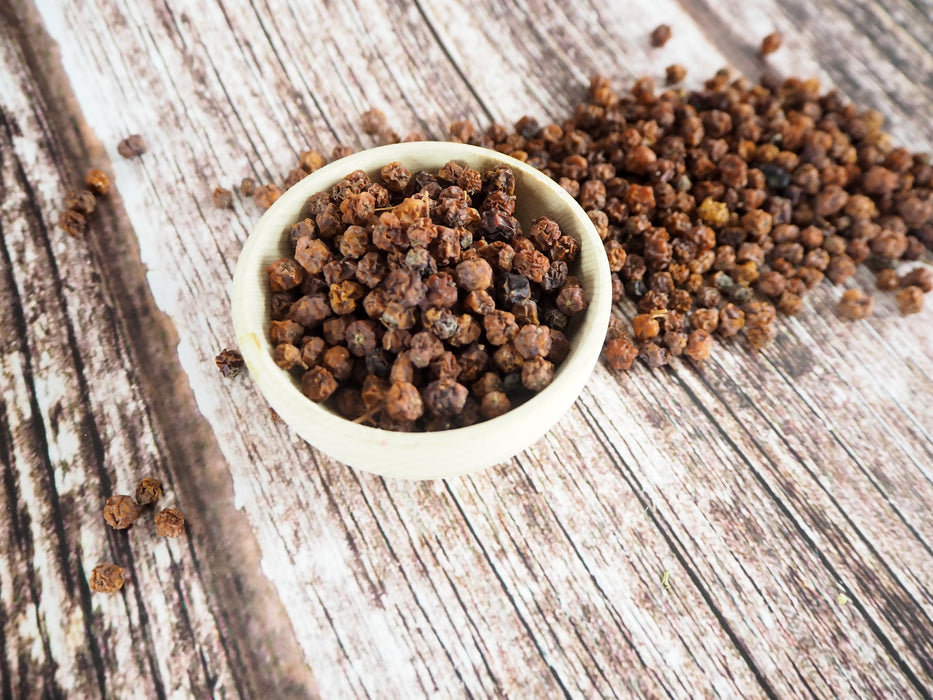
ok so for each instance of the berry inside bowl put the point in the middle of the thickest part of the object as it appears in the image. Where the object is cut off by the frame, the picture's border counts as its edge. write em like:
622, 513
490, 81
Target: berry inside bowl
425, 454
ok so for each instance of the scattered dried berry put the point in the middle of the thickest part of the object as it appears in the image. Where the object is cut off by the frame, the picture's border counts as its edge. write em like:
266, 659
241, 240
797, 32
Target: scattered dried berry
909, 300
81, 201
373, 121
771, 43
266, 195
230, 362
223, 198
132, 146
169, 522
855, 304
97, 182
106, 578
148, 491
675, 73
661, 35
72, 222
120, 512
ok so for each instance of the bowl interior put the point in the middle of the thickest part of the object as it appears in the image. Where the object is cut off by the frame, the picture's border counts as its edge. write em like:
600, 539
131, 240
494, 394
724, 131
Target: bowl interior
434, 454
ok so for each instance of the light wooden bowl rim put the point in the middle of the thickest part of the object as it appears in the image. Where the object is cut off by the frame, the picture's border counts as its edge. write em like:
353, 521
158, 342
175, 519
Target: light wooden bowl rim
418, 455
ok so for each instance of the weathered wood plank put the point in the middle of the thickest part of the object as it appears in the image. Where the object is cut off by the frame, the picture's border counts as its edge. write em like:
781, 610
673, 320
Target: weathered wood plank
765, 485
80, 335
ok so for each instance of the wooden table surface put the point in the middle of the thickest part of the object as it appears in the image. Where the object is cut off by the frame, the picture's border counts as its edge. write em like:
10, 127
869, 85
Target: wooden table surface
783, 498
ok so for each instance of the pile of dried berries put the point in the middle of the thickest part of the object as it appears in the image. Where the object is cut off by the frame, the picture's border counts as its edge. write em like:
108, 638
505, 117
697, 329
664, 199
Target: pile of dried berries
721, 207
417, 302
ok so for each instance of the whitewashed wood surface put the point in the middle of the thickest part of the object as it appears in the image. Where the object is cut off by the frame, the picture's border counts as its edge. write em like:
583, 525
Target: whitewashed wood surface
786, 496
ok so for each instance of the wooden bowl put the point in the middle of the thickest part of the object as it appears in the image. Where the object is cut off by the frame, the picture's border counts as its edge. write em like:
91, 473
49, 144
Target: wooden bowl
436, 454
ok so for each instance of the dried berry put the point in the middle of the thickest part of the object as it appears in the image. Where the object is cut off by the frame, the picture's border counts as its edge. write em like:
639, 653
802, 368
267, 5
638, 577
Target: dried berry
72, 222
909, 300
318, 384
223, 198
675, 73
169, 522
148, 491
403, 402
771, 43
266, 195
106, 578
921, 277
97, 182
230, 362
699, 345
661, 35
373, 121
120, 512
855, 304
132, 145
81, 201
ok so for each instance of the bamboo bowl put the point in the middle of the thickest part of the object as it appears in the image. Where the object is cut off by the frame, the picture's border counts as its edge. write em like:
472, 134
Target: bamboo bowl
421, 455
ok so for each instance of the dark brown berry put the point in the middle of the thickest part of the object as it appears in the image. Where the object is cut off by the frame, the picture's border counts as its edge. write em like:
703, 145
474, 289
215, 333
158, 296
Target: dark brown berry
230, 362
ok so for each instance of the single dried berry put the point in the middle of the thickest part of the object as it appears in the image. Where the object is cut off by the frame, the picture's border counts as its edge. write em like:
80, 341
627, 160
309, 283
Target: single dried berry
148, 491
223, 198
285, 274
169, 523
918, 277
909, 300
887, 280
230, 362
445, 397
620, 352
661, 35
310, 160
81, 201
106, 578
771, 43
318, 384
247, 186
120, 512
494, 404
855, 304
132, 145
675, 73
97, 182
286, 356
373, 121
403, 402
645, 326
699, 345
266, 195
72, 222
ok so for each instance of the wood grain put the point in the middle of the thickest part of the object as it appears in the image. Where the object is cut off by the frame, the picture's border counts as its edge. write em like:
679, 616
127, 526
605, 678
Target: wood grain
82, 419
763, 486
